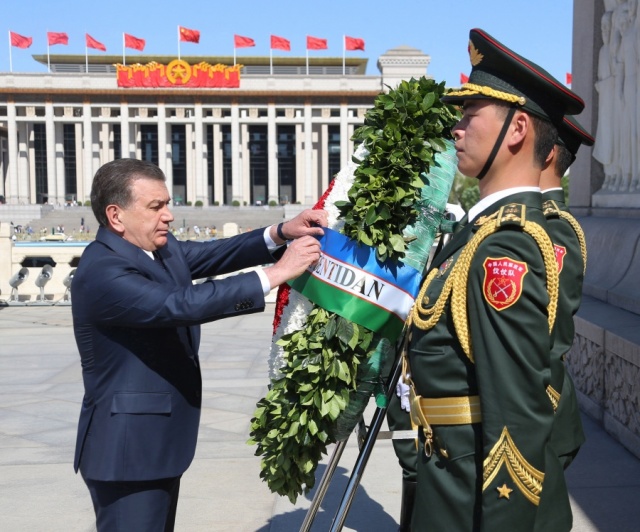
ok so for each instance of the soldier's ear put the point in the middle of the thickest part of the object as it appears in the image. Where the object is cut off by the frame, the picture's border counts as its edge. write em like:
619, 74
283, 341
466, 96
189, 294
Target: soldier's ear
519, 129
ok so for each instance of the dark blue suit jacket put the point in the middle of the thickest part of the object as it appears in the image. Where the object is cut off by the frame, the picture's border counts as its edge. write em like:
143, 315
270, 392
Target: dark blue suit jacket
137, 326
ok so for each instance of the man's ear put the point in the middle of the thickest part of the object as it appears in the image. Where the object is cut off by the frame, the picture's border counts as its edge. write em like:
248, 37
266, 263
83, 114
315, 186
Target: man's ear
550, 157
114, 213
520, 127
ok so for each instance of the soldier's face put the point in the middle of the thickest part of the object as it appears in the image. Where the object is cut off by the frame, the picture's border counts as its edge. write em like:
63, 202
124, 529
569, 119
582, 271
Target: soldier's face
476, 133
145, 223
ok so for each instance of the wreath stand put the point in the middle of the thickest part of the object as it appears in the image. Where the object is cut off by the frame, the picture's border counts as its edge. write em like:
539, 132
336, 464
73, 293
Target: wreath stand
366, 440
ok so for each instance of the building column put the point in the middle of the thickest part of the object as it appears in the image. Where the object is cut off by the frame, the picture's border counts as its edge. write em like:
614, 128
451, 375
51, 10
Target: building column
191, 179
59, 159
236, 163
272, 155
200, 154
308, 157
163, 156
55, 189
345, 156
324, 158
245, 164
301, 164
86, 172
26, 187
218, 173
125, 130
11, 192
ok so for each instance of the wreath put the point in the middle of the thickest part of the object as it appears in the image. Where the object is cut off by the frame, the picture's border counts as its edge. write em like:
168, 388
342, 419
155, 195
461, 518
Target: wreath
324, 368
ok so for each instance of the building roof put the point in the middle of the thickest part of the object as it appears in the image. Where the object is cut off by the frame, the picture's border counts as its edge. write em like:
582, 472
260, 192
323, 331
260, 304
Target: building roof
68, 63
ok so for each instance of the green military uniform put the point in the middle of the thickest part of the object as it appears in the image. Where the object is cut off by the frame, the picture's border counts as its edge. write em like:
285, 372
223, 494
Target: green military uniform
568, 435
481, 335
569, 243
489, 474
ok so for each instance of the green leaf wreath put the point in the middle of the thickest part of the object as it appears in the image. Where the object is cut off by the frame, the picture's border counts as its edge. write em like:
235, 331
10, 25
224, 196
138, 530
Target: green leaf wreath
329, 359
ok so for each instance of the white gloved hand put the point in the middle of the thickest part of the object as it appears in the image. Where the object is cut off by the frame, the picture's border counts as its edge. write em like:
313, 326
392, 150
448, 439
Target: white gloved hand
402, 391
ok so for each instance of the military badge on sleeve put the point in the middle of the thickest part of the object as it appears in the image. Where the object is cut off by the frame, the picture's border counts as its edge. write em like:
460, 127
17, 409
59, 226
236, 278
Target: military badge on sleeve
560, 252
503, 281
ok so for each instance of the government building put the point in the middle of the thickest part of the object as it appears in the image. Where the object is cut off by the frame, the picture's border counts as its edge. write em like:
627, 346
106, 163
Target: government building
269, 131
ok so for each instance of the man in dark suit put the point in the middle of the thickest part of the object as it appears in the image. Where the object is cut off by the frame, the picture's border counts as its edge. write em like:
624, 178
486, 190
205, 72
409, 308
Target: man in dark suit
481, 330
137, 316
571, 254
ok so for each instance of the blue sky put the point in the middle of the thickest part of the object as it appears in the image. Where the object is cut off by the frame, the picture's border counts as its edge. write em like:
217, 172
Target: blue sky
540, 31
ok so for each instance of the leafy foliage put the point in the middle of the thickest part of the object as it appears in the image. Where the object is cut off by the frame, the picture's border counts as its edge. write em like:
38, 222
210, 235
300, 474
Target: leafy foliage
402, 132
296, 420
294, 423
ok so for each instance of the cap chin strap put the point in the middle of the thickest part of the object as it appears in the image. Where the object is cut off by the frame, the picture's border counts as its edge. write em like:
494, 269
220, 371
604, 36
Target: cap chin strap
496, 146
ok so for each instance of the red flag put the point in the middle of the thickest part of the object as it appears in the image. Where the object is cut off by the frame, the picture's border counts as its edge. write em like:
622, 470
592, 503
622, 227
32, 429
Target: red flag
187, 35
463, 78
19, 41
313, 43
57, 38
92, 43
280, 43
243, 42
569, 78
133, 42
351, 43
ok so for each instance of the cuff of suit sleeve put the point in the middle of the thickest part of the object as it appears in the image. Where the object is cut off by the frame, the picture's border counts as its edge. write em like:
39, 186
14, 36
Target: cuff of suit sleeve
264, 281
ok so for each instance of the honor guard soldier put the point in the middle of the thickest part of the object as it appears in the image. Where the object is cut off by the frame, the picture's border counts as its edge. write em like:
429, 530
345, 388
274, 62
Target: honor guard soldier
571, 255
481, 331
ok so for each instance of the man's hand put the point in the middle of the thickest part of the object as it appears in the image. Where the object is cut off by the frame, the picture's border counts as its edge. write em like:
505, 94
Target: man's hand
308, 222
299, 255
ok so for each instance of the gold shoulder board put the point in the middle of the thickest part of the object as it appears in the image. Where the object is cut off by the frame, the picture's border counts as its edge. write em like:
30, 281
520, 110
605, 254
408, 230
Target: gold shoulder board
512, 214
550, 209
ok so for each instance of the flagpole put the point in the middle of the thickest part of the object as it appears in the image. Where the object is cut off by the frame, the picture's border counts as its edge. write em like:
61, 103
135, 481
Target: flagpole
48, 60
271, 61
10, 53
178, 42
234, 55
307, 61
124, 60
86, 59
344, 53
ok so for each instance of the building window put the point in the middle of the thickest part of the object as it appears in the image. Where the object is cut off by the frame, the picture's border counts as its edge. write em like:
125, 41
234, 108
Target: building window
287, 164
210, 180
40, 155
227, 188
149, 142
69, 158
258, 164
117, 141
179, 163
334, 151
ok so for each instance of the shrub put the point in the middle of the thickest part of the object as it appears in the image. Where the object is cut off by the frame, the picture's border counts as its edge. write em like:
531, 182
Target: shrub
198, 203
235, 203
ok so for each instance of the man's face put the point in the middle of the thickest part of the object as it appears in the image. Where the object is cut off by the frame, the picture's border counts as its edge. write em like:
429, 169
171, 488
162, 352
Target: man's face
476, 133
145, 223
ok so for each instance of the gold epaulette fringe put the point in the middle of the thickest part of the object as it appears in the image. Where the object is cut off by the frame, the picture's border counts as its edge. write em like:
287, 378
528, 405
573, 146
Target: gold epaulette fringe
550, 208
580, 234
456, 284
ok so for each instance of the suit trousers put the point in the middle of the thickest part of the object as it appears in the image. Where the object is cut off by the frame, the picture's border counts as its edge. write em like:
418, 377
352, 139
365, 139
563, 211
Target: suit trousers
135, 506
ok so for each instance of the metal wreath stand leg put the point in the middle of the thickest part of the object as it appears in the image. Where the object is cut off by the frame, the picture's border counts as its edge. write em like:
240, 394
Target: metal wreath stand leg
366, 446
365, 443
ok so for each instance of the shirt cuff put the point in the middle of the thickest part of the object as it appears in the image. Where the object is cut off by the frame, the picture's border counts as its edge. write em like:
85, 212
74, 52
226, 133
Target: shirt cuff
271, 245
264, 281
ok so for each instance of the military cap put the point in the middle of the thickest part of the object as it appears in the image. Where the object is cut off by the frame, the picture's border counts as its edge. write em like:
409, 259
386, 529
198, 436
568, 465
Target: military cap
501, 74
571, 135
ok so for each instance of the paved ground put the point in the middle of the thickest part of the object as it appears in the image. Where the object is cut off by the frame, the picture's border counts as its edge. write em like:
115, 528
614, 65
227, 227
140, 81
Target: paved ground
40, 394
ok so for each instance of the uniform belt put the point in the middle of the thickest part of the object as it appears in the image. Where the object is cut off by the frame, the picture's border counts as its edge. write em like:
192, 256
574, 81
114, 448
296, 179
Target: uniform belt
446, 410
